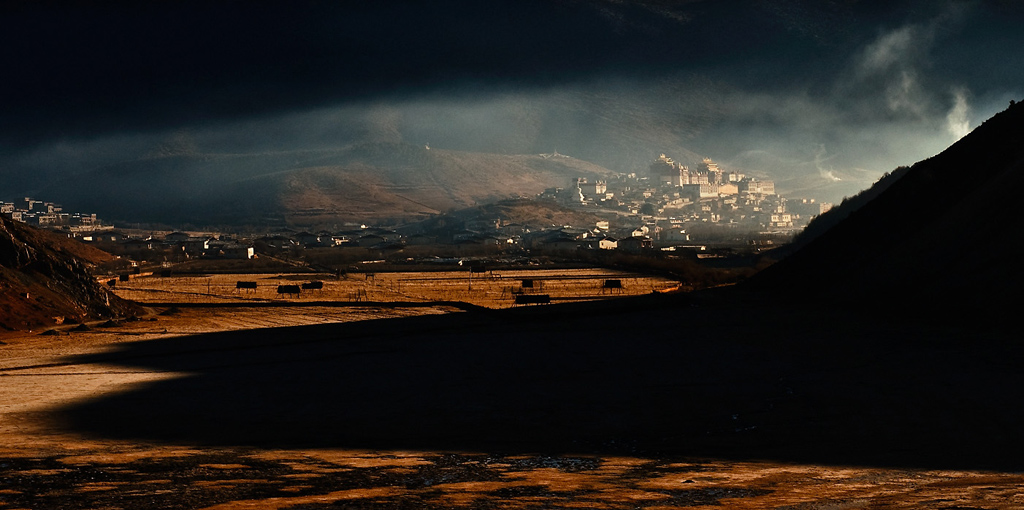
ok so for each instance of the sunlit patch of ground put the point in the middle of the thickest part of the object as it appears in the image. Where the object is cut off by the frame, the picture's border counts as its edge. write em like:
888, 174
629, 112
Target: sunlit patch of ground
237, 478
495, 289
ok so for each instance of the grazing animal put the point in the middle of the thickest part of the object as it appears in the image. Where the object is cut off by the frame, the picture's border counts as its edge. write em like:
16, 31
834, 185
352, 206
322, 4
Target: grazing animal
289, 290
112, 282
612, 286
313, 286
246, 285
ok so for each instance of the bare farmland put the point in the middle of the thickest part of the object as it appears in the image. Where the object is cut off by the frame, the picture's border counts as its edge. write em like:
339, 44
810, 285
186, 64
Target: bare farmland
494, 289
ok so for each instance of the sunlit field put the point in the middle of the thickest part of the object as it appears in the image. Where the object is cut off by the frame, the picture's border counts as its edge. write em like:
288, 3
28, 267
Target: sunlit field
495, 289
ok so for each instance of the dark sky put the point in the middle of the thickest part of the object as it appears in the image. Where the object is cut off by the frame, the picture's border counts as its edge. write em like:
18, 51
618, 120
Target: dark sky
83, 73
99, 66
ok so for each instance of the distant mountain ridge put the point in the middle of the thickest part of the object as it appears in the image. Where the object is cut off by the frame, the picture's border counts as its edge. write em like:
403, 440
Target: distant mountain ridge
373, 181
621, 129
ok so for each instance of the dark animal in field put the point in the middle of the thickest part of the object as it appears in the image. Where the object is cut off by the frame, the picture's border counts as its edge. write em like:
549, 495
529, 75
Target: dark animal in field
289, 290
612, 286
533, 299
247, 286
313, 286
112, 282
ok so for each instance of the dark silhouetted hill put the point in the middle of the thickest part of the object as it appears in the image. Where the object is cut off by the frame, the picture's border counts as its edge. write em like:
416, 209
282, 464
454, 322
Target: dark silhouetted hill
44, 276
942, 234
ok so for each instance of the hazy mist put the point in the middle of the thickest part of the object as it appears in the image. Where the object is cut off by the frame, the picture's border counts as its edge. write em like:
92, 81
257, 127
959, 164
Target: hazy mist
823, 99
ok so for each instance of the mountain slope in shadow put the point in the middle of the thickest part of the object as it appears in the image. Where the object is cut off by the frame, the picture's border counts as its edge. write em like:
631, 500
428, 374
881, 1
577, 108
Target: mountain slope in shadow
941, 234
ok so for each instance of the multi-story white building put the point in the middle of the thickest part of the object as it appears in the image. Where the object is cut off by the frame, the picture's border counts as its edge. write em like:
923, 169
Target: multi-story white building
755, 186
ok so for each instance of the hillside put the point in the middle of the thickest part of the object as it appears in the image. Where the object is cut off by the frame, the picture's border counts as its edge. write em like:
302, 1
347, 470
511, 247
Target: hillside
44, 280
940, 234
371, 182
526, 212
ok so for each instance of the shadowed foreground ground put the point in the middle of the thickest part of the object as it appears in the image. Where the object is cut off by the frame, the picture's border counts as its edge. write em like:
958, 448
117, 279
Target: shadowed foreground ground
645, 377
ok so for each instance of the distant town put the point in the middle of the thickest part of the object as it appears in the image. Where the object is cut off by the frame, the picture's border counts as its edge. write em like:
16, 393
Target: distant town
672, 208
672, 196
48, 215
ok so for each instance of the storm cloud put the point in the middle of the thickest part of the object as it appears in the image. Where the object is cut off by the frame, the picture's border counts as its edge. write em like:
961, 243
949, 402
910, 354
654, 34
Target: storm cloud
797, 90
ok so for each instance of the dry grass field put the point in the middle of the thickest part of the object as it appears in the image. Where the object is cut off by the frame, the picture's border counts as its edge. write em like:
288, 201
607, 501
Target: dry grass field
495, 289
49, 462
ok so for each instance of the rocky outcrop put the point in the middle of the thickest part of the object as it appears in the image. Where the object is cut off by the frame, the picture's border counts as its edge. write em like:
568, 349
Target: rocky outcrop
45, 280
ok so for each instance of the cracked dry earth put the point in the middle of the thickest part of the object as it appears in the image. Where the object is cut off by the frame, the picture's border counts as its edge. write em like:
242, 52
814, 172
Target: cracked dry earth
43, 467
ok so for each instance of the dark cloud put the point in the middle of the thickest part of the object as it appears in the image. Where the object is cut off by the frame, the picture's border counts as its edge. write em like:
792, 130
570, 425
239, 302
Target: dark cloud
833, 88
79, 68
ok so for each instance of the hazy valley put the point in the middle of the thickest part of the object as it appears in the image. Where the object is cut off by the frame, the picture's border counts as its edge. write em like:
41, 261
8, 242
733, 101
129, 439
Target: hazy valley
605, 254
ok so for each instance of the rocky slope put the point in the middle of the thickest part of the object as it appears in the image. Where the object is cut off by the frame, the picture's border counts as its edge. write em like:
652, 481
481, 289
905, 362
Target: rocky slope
45, 280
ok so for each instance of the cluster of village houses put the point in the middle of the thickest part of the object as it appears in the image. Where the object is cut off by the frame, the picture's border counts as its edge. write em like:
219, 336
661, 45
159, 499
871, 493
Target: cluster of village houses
47, 214
497, 238
672, 195
646, 212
